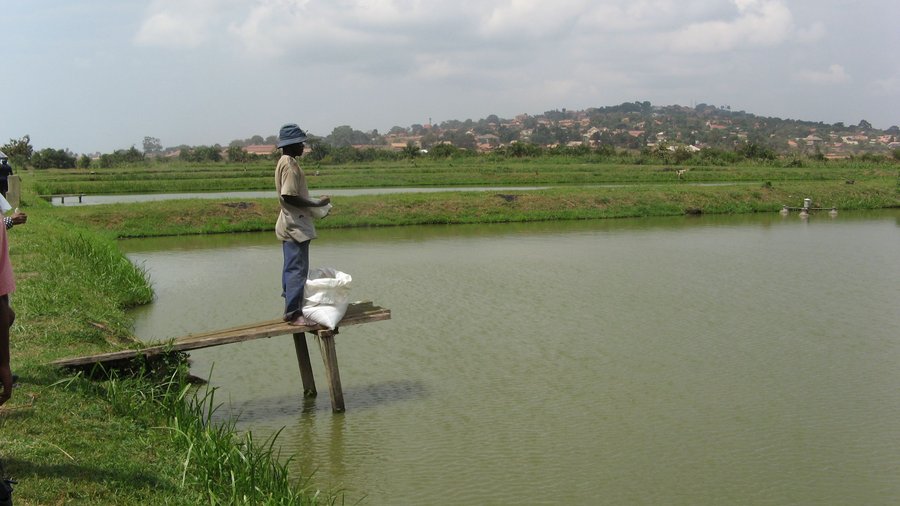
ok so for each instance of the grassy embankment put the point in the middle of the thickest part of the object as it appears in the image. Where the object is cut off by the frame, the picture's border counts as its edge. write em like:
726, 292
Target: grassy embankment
117, 443
468, 171
644, 191
145, 440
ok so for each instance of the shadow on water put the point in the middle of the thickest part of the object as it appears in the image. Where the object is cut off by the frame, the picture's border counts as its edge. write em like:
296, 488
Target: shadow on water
356, 398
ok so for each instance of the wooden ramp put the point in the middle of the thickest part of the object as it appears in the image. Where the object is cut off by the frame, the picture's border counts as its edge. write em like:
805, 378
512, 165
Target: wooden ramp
357, 313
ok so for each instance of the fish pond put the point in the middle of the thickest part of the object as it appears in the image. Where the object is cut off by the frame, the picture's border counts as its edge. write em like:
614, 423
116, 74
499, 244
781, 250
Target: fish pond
688, 360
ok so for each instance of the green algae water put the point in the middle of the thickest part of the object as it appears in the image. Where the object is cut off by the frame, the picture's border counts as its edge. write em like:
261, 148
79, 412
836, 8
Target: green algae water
710, 360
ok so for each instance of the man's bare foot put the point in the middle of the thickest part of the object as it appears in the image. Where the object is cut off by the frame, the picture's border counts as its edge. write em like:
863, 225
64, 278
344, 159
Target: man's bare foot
302, 321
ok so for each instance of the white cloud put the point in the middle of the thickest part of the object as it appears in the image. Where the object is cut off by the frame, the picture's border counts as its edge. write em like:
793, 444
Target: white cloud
178, 24
166, 30
835, 74
526, 19
759, 23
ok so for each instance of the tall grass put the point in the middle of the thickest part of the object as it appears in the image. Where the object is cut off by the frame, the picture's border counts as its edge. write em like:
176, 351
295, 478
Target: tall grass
107, 268
226, 466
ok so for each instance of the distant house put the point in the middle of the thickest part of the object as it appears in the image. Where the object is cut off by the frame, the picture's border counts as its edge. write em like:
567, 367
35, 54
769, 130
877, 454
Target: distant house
400, 146
490, 139
260, 149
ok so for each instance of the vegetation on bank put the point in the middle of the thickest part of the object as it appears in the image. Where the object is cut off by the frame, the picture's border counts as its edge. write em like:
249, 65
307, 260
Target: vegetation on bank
137, 440
583, 169
184, 217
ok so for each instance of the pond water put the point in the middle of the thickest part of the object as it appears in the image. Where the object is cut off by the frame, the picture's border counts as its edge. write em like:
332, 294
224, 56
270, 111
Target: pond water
88, 200
710, 360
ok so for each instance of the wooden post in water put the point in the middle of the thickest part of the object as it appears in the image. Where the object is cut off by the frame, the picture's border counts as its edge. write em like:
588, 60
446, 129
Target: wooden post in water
329, 356
306, 372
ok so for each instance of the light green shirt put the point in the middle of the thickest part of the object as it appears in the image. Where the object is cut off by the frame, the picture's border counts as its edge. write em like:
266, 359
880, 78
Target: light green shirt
294, 223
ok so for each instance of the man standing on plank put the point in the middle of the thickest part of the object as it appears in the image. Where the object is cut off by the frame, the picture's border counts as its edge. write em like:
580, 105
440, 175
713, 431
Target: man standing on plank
295, 223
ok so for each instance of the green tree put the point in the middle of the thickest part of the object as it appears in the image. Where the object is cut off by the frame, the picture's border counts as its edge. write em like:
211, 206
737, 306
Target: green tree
443, 151
318, 150
344, 136
755, 151
84, 162
237, 154
411, 150
152, 145
19, 151
49, 158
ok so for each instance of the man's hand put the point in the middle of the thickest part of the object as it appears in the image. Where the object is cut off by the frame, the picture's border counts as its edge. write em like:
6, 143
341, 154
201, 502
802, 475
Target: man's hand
19, 218
324, 200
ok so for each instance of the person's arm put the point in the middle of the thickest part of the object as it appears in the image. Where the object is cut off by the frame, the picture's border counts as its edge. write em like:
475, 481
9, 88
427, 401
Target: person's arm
298, 201
17, 218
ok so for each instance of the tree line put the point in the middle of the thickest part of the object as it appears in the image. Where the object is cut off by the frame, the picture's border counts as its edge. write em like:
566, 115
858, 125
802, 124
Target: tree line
636, 129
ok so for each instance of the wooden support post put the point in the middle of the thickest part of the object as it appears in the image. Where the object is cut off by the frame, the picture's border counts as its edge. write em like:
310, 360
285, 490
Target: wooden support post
329, 356
306, 372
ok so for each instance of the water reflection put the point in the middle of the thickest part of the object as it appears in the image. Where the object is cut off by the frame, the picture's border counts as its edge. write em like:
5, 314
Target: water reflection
264, 409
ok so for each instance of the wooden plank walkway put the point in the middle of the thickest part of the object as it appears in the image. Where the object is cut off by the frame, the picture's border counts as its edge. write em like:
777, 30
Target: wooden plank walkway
62, 196
357, 313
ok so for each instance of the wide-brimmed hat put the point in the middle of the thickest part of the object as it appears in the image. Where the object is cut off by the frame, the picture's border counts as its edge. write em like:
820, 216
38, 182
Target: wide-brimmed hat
290, 134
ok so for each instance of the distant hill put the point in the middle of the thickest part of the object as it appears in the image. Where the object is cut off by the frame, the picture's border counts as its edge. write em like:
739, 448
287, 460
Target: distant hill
638, 125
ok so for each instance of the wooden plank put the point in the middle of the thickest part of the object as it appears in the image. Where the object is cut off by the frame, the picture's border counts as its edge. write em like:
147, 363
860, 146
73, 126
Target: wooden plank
357, 313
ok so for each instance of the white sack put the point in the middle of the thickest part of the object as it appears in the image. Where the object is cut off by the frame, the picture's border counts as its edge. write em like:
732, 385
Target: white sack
326, 296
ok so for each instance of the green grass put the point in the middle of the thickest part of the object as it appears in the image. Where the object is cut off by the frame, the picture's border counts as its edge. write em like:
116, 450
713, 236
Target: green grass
180, 217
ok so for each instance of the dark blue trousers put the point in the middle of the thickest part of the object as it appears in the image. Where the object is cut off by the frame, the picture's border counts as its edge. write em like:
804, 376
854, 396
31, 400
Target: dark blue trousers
293, 277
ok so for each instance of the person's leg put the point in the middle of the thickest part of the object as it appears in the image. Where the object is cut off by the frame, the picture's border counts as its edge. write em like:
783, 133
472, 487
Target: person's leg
6, 381
293, 277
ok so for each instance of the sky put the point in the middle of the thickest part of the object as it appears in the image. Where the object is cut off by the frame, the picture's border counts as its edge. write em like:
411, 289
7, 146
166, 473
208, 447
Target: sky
100, 75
